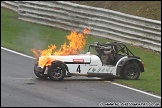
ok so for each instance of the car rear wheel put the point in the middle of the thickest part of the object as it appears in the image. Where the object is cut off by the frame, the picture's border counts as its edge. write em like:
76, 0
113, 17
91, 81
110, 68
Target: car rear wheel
39, 72
56, 72
131, 71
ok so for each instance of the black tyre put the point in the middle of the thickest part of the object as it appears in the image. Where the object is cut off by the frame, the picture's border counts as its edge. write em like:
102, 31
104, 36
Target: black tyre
131, 71
39, 72
56, 72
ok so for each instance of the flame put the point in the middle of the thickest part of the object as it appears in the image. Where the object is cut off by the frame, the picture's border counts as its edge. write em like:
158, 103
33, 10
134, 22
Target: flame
86, 30
45, 61
48, 52
35, 53
76, 43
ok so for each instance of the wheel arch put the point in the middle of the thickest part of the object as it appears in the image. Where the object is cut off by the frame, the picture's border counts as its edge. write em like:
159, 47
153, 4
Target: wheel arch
139, 63
60, 62
121, 65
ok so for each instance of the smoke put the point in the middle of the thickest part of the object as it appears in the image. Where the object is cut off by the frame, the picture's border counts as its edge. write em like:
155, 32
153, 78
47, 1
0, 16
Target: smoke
31, 38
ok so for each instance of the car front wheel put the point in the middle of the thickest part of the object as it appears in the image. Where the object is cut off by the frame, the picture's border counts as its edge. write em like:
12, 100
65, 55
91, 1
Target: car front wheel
39, 72
56, 72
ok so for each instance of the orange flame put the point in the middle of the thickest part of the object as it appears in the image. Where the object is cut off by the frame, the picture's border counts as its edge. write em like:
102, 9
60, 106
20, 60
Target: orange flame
77, 42
86, 30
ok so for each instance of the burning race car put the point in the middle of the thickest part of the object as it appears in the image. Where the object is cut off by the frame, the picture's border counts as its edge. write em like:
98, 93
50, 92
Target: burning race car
111, 59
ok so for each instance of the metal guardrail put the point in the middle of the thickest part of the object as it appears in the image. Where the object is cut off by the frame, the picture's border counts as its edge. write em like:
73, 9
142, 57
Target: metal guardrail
110, 24
13, 5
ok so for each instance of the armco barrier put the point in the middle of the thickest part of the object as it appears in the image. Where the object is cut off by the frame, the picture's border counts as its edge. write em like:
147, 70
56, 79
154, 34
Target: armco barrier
13, 5
102, 22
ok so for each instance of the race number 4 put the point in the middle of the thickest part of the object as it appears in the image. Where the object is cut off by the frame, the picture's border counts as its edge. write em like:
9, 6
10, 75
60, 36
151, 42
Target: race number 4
78, 69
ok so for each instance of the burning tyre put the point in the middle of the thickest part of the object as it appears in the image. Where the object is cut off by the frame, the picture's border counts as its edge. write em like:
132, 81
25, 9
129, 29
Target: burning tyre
39, 72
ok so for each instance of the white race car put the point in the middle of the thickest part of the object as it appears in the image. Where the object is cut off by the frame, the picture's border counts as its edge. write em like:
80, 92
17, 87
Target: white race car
112, 59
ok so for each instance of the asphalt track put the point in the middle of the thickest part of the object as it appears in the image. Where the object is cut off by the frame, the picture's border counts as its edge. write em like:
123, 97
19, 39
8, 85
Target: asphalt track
21, 88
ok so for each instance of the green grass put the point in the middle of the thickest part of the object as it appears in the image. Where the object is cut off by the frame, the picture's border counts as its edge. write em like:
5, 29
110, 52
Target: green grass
150, 80
147, 9
22, 36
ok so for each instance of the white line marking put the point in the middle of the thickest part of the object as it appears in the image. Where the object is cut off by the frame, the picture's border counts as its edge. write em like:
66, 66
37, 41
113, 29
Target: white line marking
17, 53
95, 77
23, 78
15, 78
134, 89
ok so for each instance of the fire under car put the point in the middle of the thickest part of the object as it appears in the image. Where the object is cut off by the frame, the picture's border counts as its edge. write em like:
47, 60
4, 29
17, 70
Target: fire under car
111, 59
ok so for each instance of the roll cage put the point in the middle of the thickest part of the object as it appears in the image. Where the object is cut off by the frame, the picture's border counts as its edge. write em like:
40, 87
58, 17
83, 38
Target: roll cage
117, 49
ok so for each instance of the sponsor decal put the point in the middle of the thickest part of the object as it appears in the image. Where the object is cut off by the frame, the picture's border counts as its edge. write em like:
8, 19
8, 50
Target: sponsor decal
89, 69
103, 69
78, 60
107, 70
93, 69
99, 70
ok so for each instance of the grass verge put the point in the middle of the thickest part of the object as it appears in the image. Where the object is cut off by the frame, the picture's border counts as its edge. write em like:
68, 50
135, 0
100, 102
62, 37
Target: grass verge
22, 36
